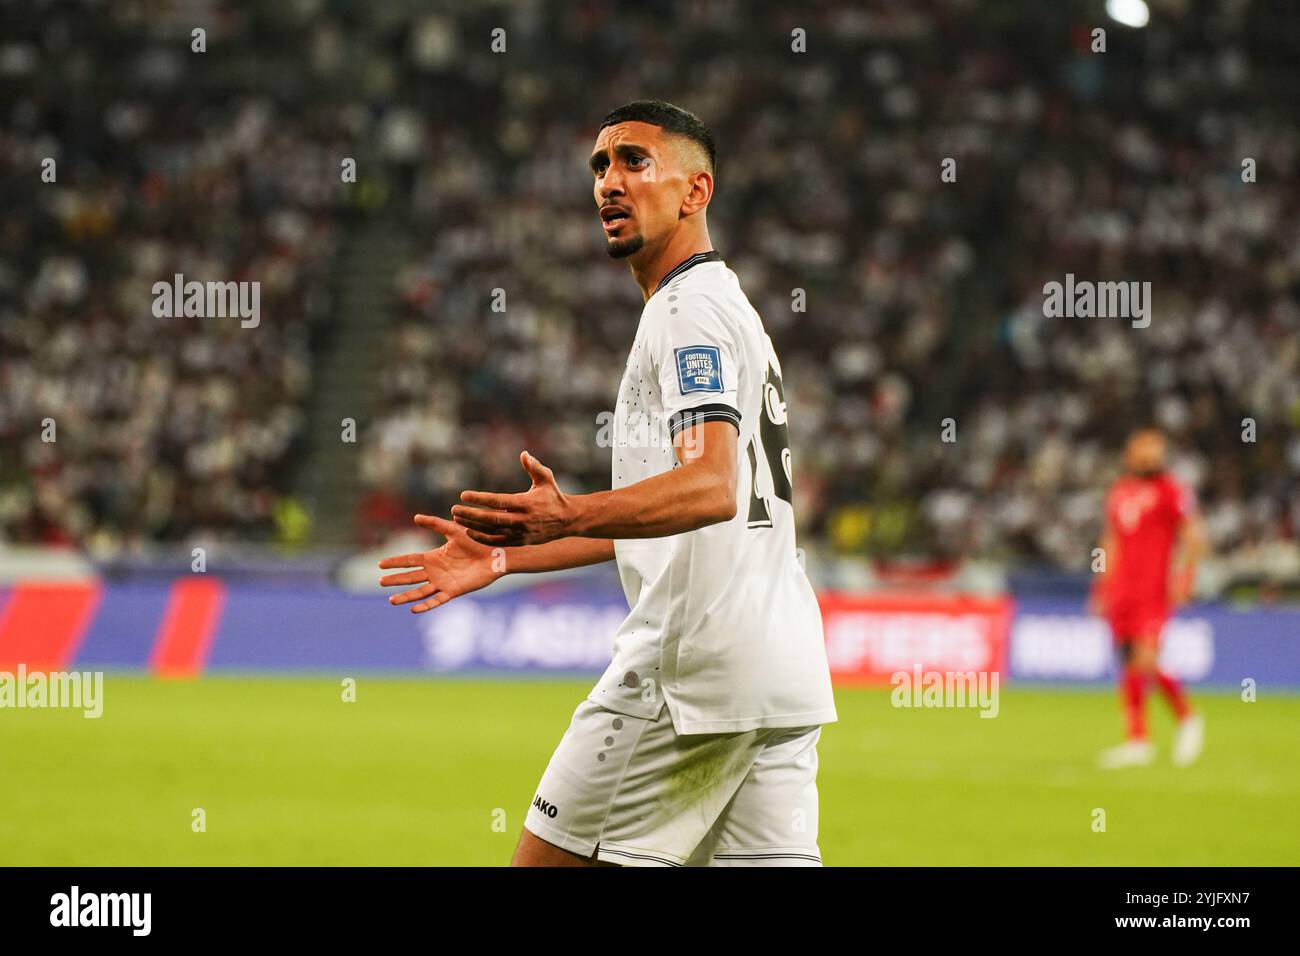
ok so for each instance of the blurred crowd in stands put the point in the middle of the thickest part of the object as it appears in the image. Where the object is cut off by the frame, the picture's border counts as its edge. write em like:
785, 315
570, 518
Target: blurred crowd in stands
906, 309
119, 426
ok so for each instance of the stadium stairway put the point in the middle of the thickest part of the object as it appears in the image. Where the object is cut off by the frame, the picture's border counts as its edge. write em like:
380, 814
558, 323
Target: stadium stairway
348, 365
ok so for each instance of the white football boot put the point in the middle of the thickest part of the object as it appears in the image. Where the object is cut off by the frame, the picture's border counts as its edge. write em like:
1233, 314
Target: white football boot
1132, 753
1190, 739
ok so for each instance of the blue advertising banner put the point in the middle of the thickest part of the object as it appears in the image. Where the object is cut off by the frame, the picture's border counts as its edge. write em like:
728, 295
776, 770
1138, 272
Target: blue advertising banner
1055, 640
557, 626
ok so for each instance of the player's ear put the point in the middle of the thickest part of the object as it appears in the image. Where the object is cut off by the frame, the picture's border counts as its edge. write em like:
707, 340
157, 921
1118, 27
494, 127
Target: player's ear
700, 193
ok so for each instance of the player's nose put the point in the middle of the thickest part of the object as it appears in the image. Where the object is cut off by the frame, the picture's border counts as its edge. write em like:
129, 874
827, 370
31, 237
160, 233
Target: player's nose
611, 184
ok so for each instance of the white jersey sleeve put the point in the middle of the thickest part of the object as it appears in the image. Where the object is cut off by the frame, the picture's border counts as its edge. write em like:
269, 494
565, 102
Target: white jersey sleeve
698, 363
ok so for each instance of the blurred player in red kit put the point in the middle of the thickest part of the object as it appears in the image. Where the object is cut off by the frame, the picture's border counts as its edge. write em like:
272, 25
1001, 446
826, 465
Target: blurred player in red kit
1152, 540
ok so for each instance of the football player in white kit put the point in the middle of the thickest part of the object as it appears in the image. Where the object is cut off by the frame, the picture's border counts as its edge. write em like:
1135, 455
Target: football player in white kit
698, 745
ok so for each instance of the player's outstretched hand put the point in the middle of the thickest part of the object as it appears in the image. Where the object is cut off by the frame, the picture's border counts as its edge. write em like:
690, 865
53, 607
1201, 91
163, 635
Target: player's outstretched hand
458, 567
540, 514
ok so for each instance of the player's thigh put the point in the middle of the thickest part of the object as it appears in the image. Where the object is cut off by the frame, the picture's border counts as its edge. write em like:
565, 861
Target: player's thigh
633, 791
532, 850
1137, 633
773, 818
581, 782
673, 791
1145, 653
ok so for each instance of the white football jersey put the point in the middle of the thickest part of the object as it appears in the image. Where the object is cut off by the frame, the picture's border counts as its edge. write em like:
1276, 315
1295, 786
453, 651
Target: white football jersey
724, 627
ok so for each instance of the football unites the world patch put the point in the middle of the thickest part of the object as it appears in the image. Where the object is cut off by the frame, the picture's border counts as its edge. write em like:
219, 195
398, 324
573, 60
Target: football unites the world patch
699, 369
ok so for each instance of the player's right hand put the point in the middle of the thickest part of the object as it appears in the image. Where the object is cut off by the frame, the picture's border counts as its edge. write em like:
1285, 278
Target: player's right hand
460, 566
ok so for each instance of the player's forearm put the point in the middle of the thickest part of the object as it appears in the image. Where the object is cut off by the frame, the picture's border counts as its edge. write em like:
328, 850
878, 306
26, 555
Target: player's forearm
674, 502
558, 555
1198, 546
1192, 546
1184, 567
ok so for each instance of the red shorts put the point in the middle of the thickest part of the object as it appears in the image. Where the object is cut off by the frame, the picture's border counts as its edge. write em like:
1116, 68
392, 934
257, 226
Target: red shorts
1137, 623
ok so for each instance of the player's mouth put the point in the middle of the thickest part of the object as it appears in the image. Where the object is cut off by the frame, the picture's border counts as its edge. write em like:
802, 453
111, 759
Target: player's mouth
613, 218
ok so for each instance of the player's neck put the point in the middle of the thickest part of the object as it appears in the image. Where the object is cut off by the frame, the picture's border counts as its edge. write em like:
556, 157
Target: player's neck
676, 249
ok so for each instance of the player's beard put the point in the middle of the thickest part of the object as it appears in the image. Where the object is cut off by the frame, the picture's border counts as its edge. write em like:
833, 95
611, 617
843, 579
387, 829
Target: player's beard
622, 248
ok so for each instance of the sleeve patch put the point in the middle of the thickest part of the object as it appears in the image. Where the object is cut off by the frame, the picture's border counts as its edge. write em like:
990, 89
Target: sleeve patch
699, 369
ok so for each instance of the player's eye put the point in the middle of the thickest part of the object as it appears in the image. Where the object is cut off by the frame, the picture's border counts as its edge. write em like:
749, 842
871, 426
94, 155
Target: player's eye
633, 160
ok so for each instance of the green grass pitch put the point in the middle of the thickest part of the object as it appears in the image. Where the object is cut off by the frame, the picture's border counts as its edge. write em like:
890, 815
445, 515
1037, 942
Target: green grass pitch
425, 771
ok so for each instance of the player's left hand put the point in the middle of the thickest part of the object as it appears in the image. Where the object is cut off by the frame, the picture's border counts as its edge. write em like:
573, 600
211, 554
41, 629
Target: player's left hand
540, 514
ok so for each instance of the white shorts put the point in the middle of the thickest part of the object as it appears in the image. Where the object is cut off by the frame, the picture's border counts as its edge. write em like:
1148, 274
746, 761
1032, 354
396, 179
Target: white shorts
635, 792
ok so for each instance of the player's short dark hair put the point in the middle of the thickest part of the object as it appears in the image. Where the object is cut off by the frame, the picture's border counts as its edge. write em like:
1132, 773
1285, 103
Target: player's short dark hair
669, 117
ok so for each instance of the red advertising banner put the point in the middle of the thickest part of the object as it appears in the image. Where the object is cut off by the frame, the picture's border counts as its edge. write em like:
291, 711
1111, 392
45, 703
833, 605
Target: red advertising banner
871, 637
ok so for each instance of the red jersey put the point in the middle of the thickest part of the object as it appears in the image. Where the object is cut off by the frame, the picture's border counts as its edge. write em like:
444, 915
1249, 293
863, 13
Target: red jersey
1144, 516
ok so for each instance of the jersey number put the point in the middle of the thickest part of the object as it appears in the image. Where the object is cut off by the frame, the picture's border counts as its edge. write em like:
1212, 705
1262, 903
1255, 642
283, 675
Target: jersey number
774, 437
